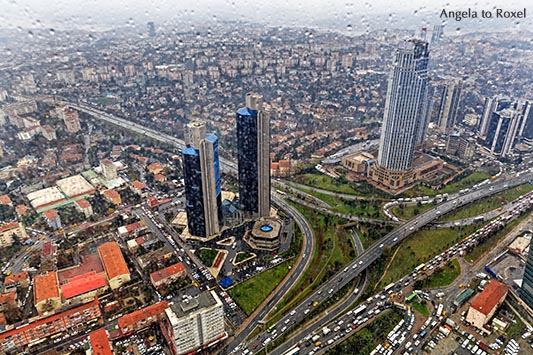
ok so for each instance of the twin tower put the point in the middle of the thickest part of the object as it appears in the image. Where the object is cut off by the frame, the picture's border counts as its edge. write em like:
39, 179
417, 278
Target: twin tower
201, 170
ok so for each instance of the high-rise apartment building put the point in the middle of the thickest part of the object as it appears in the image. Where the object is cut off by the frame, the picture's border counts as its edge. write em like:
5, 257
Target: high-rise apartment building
201, 171
253, 138
405, 114
109, 170
438, 31
491, 105
526, 291
449, 105
501, 132
194, 323
526, 127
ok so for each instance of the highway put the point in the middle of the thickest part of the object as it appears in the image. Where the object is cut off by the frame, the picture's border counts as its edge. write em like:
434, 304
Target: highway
230, 167
360, 263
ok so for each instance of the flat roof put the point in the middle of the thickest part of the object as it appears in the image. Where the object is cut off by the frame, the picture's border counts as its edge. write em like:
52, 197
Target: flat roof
190, 304
45, 197
75, 186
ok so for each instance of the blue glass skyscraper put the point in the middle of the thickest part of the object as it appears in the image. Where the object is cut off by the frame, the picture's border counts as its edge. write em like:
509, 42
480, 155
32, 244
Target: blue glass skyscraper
253, 138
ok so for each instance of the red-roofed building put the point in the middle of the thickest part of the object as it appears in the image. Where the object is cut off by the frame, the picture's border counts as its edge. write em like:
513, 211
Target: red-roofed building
7, 231
142, 318
15, 339
139, 188
160, 178
167, 275
52, 219
8, 299
21, 279
84, 207
155, 168
21, 210
112, 197
114, 264
46, 292
5, 200
99, 341
131, 229
48, 251
83, 288
485, 304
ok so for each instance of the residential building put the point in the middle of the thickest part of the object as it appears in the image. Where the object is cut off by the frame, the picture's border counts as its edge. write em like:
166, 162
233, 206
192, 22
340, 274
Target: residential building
10, 230
46, 292
403, 123
99, 342
168, 275
113, 197
16, 339
142, 318
52, 219
114, 264
109, 170
201, 172
253, 140
84, 207
193, 324
485, 304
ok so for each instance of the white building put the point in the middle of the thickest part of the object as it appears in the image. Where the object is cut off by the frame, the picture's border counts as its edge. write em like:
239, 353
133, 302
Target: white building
194, 323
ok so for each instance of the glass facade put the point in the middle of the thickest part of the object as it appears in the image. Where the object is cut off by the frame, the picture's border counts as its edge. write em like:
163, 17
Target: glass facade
247, 129
526, 292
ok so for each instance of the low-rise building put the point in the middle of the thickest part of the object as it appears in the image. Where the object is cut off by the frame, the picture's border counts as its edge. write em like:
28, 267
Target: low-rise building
99, 341
113, 197
167, 275
46, 292
485, 304
16, 339
84, 207
265, 234
114, 264
52, 219
21, 279
139, 188
10, 230
193, 324
142, 318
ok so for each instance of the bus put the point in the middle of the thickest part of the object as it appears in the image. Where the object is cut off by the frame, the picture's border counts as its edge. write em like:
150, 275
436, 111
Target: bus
411, 297
293, 351
419, 268
359, 310
388, 287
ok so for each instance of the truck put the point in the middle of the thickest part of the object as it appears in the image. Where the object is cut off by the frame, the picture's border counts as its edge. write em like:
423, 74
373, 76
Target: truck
326, 330
440, 308
490, 272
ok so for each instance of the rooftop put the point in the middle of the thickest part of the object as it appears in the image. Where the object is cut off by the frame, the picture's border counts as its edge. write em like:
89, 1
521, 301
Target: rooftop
11, 279
90, 264
485, 301
189, 305
50, 214
83, 284
45, 197
8, 226
75, 186
114, 263
45, 287
162, 274
5, 200
83, 203
142, 314
100, 342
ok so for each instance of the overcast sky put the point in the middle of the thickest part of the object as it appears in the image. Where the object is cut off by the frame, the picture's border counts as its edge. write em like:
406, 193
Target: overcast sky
68, 13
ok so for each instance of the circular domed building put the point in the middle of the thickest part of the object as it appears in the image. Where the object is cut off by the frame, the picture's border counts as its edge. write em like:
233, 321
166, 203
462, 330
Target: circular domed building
265, 234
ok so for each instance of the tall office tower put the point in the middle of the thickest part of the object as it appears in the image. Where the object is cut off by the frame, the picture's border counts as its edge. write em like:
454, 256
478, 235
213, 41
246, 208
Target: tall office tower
526, 291
151, 29
423, 33
526, 126
253, 139
449, 105
501, 132
201, 172
404, 108
491, 105
438, 31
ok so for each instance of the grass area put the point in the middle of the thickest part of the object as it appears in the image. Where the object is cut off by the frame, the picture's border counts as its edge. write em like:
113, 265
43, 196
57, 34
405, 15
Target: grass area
325, 182
242, 255
341, 185
366, 339
474, 253
488, 203
334, 249
407, 212
463, 183
422, 309
249, 294
422, 246
207, 256
443, 276
516, 327
362, 208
